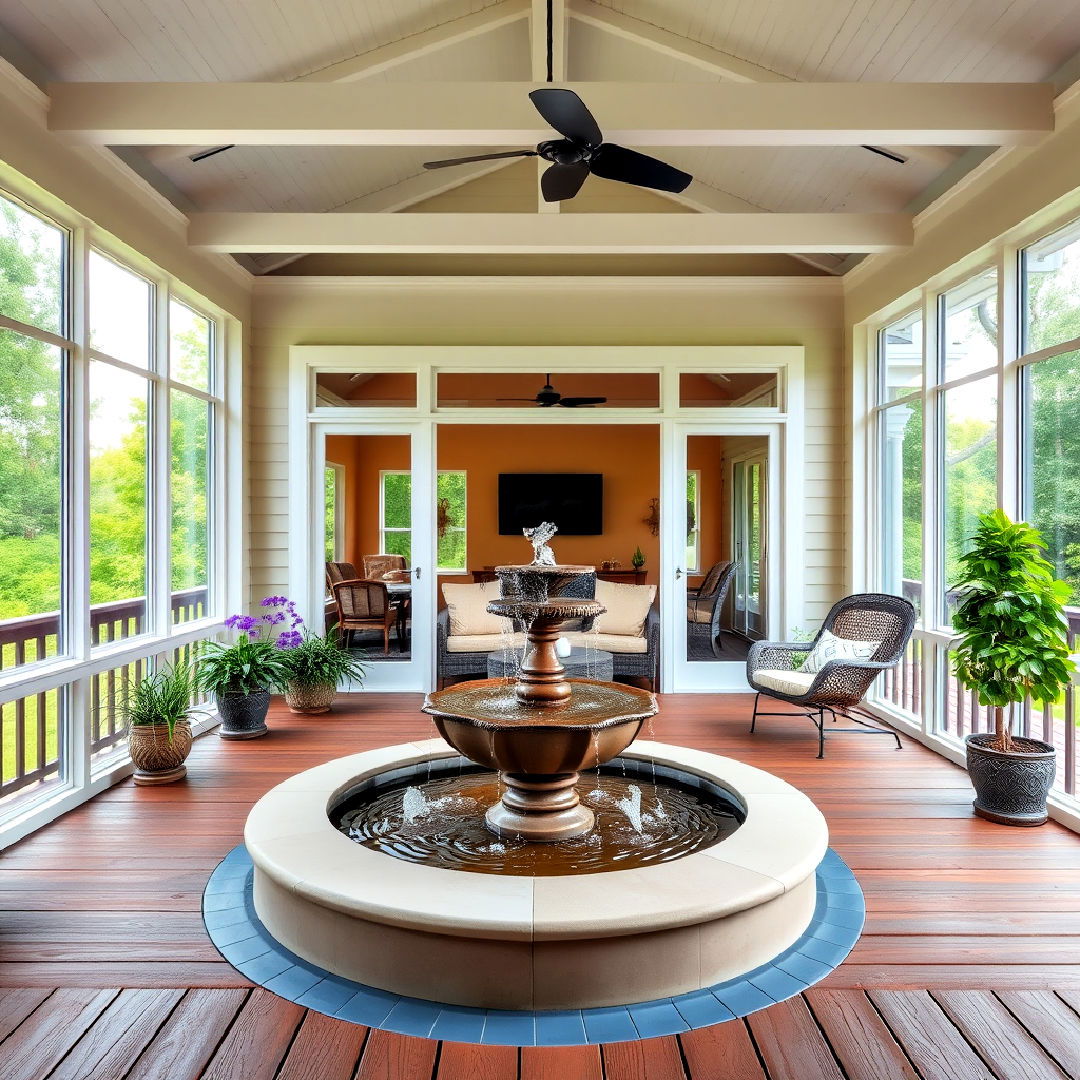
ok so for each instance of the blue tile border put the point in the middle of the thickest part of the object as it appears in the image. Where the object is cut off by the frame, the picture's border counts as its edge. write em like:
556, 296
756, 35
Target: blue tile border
234, 928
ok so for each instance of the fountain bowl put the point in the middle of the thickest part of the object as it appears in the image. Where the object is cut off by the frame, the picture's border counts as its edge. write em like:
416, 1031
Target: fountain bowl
538, 752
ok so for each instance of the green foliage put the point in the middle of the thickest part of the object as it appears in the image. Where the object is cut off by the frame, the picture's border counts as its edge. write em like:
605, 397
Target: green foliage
318, 660
637, 560
161, 698
1011, 621
244, 667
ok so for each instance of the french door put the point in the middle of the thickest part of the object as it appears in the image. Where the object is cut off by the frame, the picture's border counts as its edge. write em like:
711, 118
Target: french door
397, 519
708, 522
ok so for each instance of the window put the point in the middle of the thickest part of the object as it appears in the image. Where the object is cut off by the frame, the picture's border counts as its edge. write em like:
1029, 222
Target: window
451, 517
693, 521
395, 516
333, 510
33, 426
1050, 277
146, 437
969, 327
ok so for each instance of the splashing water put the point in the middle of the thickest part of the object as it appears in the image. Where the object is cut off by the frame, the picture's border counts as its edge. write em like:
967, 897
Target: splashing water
414, 805
630, 805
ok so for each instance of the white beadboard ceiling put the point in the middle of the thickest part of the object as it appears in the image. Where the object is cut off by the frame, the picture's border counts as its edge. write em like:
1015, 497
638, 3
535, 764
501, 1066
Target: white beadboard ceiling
828, 40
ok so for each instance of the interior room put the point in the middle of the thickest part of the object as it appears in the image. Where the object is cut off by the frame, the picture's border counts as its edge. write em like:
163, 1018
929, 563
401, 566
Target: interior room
539, 539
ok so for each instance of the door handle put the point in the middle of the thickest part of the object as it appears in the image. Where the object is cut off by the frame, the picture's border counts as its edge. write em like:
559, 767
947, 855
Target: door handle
416, 572
678, 573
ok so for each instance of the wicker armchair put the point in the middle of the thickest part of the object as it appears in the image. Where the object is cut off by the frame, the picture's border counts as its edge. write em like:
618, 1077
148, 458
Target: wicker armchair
840, 684
366, 605
377, 567
704, 605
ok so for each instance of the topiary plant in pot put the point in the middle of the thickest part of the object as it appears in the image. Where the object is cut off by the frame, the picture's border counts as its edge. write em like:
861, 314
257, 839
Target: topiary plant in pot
314, 668
159, 731
1012, 646
241, 676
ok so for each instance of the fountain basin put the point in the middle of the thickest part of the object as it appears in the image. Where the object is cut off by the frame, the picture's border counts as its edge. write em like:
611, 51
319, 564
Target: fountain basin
515, 942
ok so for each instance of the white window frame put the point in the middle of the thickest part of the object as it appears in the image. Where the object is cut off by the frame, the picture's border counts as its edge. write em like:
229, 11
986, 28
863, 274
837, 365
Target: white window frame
932, 637
463, 529
71, 673
339, 507
384, 529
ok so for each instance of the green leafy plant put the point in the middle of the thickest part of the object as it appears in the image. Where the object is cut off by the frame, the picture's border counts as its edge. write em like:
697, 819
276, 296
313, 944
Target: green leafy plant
318, 661
161, 698
244, 667
1011, 621
638, 558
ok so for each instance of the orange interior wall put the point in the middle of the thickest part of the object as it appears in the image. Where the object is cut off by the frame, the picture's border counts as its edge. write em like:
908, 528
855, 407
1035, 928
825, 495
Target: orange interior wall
628, 456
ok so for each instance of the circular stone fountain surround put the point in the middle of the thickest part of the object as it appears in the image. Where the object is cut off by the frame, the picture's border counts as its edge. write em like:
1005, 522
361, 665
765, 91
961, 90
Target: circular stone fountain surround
534, 943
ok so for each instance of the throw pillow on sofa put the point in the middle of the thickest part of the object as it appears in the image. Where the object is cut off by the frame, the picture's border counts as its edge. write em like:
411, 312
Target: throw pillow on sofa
627, 608
466, 604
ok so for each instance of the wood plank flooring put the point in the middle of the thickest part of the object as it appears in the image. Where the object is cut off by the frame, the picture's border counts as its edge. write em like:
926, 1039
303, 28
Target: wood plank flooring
969, 967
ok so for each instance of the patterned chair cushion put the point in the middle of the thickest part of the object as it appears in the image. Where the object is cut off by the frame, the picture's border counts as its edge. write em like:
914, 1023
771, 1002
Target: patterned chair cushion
831, 647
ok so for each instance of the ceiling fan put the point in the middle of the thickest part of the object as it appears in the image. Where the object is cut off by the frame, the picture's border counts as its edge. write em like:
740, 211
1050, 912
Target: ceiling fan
581, 151
549, 396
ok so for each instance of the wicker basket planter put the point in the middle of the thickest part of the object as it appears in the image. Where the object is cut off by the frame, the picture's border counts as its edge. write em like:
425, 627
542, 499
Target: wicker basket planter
1011, 787
157, 758
310, 700
243, 716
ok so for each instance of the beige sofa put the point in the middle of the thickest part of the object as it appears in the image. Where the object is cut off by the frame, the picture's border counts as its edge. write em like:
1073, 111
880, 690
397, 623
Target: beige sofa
629, 629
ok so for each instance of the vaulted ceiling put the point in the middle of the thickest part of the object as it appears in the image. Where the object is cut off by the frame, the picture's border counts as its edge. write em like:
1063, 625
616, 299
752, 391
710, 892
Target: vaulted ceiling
388, 43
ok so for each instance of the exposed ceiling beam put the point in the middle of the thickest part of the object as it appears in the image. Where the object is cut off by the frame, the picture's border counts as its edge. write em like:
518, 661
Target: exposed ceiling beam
500, 114
528, 234
709, 200
705, 58
417, 46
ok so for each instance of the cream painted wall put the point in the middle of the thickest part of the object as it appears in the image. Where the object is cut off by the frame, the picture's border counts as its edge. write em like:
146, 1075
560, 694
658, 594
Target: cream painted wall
766, 311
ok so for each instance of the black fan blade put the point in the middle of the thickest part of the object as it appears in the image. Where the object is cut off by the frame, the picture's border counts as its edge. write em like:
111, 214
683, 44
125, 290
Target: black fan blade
563, 181
574, 402
567, 114
628, 166
477, 157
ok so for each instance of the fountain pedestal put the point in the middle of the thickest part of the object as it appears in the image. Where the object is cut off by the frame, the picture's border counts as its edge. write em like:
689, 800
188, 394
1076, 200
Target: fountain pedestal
540, 808
543, 730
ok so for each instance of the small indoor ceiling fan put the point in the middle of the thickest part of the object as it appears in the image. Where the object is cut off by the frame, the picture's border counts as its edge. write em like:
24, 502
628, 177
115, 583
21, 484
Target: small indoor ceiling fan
581, 151
550, 396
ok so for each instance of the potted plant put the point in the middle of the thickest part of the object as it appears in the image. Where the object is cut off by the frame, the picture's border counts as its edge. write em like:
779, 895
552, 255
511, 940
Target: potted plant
159, 731
242, 675
1012, 646
637, 560
313, 670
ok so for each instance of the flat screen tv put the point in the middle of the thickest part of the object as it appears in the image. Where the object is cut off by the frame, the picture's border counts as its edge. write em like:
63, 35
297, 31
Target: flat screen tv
573, 501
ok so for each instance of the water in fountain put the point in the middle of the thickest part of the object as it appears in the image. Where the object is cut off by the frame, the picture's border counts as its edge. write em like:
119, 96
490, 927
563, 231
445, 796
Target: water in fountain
439, 822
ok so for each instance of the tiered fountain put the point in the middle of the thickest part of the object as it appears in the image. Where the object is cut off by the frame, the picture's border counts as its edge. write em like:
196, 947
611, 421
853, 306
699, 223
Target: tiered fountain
663, 871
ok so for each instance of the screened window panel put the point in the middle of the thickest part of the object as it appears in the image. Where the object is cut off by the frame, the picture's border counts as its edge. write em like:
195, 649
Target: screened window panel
31, 495
120, 312
1051, 280
32, 269
1052, 427
969, 327
190, 424
118, 503
969, 470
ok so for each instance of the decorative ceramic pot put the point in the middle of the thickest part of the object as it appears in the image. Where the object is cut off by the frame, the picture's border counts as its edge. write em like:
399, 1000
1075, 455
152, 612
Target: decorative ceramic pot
243, 716
1011, 788
157, 758
310, 699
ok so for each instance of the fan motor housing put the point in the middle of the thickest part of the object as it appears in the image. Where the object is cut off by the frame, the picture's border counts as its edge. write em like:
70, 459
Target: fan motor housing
563, 152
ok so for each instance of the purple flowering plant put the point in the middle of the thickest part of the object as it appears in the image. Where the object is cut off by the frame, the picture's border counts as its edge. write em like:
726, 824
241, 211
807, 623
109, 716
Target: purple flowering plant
281, 611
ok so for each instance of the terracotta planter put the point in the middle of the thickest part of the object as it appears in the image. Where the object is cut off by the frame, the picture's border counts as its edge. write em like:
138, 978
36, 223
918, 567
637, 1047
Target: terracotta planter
310, 699
243, 716
1011, 788
157, 758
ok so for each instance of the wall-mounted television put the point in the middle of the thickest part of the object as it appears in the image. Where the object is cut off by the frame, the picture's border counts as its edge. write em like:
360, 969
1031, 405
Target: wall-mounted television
573, 501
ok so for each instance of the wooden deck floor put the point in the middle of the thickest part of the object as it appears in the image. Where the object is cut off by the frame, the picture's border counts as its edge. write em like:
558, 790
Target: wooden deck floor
972, 936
